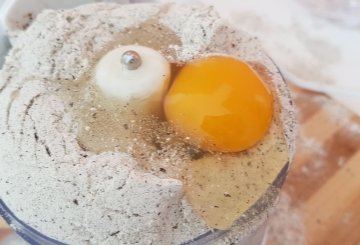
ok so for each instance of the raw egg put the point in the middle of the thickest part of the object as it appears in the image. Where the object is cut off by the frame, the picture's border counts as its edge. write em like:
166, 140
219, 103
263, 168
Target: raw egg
221, 103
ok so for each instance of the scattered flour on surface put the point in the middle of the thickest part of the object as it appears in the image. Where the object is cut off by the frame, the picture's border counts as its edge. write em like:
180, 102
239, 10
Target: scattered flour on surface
285, 224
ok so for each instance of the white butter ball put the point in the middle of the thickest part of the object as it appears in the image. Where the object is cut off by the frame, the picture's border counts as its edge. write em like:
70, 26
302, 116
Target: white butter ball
148, 81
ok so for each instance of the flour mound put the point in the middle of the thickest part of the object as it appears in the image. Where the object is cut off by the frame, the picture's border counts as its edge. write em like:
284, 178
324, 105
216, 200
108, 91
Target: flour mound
47, 179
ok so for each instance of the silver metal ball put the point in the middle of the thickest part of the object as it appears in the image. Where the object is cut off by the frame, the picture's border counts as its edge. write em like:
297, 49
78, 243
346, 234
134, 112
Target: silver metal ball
131, 60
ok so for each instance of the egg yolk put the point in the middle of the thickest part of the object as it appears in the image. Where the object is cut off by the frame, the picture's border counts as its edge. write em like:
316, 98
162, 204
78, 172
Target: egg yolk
221, 103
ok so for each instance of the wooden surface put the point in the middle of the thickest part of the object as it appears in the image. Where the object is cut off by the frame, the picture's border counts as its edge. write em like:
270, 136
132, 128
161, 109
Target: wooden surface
323, 185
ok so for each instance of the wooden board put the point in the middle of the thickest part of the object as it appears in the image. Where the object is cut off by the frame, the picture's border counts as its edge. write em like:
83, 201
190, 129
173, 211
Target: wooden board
324, 182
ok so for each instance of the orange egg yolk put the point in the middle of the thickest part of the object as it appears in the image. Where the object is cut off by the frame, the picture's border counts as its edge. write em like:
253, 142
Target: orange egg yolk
221, 103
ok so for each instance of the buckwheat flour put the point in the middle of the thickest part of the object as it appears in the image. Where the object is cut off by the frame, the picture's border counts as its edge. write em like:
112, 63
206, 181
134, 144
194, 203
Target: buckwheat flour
78, 196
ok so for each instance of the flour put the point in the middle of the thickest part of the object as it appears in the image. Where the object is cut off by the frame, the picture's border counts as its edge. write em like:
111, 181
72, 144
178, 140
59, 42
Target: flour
285, 224
78, 196
337, 115
344, 117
